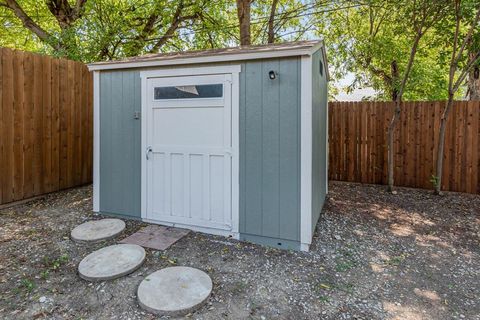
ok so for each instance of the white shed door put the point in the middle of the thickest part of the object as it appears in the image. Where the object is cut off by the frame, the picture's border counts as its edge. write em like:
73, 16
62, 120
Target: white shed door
189, 147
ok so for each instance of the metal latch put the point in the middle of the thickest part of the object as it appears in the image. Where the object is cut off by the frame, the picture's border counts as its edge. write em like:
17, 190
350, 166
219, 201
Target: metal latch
147, 152
136, 115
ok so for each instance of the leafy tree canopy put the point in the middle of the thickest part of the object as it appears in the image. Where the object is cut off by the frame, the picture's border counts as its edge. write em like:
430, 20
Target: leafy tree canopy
370, 39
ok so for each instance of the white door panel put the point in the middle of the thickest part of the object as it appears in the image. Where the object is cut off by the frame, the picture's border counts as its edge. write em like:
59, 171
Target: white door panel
188, 126
189, 168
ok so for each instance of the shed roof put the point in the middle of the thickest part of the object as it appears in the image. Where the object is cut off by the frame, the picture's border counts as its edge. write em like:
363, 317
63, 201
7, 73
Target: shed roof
285, 49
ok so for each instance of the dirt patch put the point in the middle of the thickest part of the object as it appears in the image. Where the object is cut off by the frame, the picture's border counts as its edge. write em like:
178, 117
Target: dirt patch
375, 256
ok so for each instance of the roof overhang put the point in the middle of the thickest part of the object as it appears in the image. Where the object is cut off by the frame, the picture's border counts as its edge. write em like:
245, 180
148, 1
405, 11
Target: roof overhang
214, 58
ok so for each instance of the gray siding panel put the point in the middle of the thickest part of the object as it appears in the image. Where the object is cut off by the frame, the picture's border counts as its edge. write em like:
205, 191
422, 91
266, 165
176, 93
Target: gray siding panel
319, 144
270, 150
251, 148
120, 143
289, 183
105, 139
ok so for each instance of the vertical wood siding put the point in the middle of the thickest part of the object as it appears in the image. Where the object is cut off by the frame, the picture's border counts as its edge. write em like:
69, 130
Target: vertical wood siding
319, 137
120, 142
46, 125
270, 149
358, 150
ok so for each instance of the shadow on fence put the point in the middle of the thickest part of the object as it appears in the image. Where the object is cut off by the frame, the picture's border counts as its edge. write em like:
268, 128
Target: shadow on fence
358, 149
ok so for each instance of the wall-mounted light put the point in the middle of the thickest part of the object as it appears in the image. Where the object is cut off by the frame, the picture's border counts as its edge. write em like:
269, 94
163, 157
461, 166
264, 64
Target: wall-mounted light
272, 75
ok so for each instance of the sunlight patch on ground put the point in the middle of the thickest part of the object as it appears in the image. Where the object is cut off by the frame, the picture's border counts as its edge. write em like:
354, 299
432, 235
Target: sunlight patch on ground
399, 312
358, 232
401, 230
377, 268
430, 241
427, 294
382, 214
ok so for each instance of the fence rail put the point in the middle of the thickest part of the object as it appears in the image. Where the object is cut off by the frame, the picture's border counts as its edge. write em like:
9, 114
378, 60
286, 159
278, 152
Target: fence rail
46, 125
358, 148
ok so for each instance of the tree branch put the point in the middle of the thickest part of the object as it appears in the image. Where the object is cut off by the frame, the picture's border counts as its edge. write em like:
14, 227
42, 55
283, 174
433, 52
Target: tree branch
475, 59
177, 19
271, 20
64, 13
29, 23
469, 35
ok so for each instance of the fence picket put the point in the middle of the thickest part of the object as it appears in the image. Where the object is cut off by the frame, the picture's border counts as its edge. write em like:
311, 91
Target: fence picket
358, 143
45, 125
7, 119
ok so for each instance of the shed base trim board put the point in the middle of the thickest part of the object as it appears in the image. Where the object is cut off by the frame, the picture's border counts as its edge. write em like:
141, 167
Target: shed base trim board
216, 232
120, 215
271, 242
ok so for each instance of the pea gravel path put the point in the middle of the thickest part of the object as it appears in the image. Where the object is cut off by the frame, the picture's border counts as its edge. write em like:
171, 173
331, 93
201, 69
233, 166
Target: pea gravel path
375, 256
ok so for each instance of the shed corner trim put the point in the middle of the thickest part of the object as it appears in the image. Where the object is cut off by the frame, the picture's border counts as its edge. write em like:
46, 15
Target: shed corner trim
306, 152
96, 141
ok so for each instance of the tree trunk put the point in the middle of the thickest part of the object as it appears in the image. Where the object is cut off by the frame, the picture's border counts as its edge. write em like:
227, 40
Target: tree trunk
394, 80
474, 84
390, 143
398, 110
271, 24
441, 144
243, 12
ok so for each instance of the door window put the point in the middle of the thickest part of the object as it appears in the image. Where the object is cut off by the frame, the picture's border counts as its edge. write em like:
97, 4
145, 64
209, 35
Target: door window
189, 92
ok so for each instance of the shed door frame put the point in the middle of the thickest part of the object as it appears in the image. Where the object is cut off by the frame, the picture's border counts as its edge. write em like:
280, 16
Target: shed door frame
234, 71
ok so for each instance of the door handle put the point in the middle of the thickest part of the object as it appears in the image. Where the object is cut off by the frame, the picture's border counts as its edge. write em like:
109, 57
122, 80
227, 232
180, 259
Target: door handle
147, 152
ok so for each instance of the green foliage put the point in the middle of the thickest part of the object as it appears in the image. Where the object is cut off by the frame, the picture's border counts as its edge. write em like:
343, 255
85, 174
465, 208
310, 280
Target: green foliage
346, 262
434, 180
54, 264
113, 29
27, 284
44, 274
396, 260
364, 40
363, 37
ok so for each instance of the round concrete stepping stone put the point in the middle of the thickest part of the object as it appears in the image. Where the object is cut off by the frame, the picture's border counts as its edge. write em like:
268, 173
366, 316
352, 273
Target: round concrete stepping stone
97, 230
111, 262
174, 291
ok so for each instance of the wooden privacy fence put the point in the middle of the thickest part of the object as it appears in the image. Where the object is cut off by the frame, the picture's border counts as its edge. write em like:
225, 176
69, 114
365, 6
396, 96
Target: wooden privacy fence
358, 147
46, 125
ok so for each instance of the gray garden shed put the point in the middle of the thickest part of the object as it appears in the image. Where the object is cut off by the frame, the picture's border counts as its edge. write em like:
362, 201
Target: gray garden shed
228, 141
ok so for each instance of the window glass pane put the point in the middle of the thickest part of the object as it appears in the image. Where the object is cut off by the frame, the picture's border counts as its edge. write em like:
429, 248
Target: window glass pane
189, 92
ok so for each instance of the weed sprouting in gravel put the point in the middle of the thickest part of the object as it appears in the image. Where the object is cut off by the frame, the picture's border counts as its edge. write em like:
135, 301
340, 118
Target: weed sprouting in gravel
55, 263
396, 260
28, 285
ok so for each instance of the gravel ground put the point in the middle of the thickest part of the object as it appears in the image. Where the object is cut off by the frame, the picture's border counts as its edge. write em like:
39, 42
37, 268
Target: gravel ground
375, 255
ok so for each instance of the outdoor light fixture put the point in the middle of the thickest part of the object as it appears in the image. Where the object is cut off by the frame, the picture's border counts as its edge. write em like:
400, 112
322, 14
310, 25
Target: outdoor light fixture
272, 75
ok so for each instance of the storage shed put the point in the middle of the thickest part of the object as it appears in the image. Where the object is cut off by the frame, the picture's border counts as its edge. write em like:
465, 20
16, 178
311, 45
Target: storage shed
227, 141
